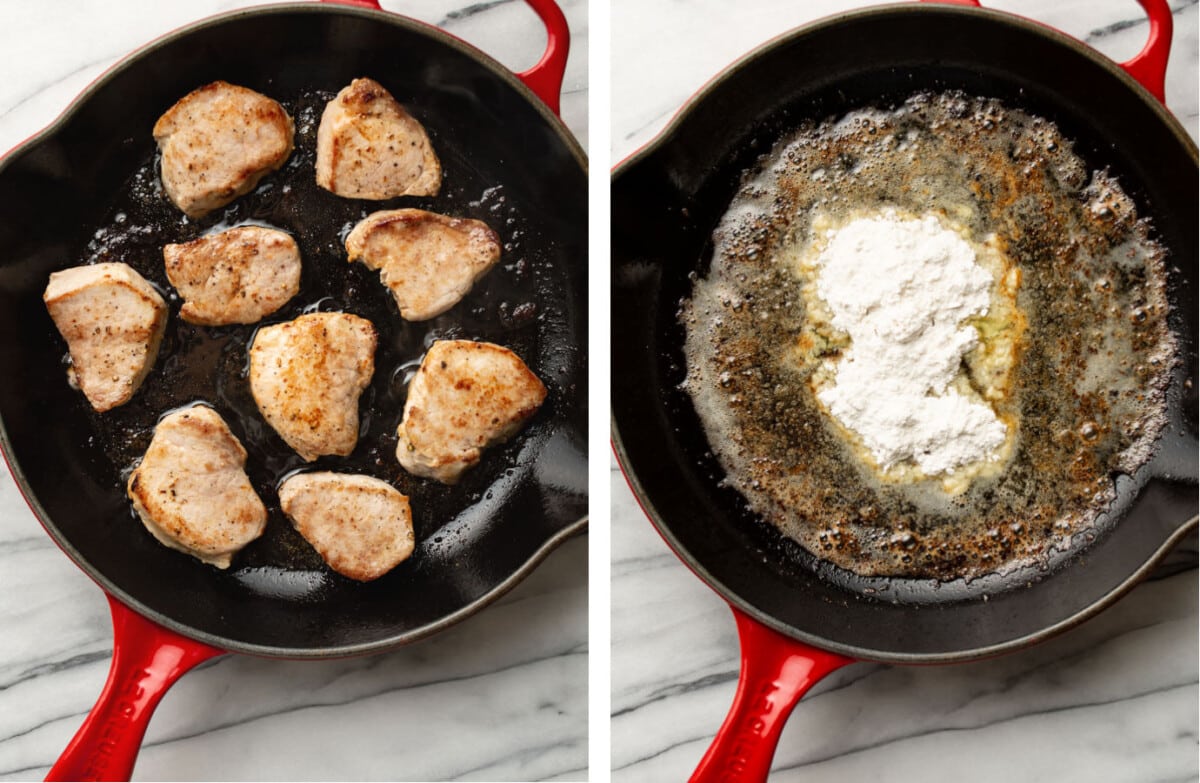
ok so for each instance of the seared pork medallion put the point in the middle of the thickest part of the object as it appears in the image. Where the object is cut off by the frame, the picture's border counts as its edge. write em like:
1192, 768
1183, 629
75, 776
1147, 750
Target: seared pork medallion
306, 376
361, 526
465, 397
428, 261
113, 322
191, 489
369, 147
217, 142
236, 276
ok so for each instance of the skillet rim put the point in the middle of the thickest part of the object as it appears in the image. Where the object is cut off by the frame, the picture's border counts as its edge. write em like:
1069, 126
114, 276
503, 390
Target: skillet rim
665, 135
324, 7
663, 139
134, 59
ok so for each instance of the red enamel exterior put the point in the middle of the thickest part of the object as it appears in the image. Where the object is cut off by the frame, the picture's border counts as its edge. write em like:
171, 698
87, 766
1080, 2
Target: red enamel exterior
545, 78
1149, 66
776, 670
147, 660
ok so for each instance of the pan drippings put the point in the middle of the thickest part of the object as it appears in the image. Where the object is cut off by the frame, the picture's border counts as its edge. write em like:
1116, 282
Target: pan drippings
516, 305
1084, 377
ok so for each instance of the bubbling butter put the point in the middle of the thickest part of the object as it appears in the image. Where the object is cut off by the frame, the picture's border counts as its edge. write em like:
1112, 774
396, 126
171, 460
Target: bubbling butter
1060, 347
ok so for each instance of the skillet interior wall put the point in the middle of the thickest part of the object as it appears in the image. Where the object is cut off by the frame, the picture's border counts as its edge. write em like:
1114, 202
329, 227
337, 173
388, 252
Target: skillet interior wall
814, 75
60, 192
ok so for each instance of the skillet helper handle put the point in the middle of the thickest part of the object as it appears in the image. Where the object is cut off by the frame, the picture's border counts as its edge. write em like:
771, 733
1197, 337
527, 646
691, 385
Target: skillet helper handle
776, 672
545, 78
147, 659
1149, 66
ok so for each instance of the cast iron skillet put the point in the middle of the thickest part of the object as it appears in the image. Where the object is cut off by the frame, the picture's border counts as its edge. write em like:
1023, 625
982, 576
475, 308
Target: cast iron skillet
475, 540
799, 619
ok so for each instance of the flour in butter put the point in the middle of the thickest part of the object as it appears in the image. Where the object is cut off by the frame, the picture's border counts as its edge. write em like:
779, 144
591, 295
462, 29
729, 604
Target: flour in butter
902, 289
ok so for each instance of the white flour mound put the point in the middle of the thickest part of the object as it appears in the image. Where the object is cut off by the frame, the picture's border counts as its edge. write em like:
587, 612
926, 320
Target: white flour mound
901, 289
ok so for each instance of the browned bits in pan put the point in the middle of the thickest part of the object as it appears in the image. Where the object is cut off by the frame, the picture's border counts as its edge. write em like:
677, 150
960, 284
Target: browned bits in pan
1093, 364
211, 363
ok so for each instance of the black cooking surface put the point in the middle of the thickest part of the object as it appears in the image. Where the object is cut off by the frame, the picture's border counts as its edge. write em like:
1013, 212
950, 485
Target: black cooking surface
90, 193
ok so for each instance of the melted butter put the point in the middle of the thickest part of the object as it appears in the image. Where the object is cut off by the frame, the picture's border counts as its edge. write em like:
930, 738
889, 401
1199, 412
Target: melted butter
985, 377
1074, 353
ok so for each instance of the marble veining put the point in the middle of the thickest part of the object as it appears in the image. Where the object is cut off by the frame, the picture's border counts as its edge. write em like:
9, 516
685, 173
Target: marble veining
1114, 699
500, 696
691, 43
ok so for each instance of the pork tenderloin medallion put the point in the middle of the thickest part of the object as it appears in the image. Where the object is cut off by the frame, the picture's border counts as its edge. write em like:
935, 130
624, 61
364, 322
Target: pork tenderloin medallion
191, 489
360, 525
217, 142
369, 147
236, 276
465, 397
428, 261
306, 376
113, 322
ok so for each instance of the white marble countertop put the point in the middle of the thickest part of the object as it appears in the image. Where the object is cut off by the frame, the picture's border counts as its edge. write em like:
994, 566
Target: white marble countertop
1113, 700
501, 696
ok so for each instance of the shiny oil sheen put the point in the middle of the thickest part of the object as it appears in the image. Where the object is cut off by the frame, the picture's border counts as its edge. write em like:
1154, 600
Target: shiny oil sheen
502, 150
210, 364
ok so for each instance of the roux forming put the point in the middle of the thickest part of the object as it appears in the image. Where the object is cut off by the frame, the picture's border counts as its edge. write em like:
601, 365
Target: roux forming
1093, 353
902, 290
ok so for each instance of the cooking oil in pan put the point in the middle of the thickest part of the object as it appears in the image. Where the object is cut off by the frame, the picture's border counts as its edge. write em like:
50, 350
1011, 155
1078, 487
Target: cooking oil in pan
513, 305
1090, 369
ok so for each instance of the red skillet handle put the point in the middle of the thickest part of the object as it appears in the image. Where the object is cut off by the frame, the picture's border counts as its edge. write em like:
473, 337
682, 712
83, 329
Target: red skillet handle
147, 659
1149, 66
776, 672
546, 77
